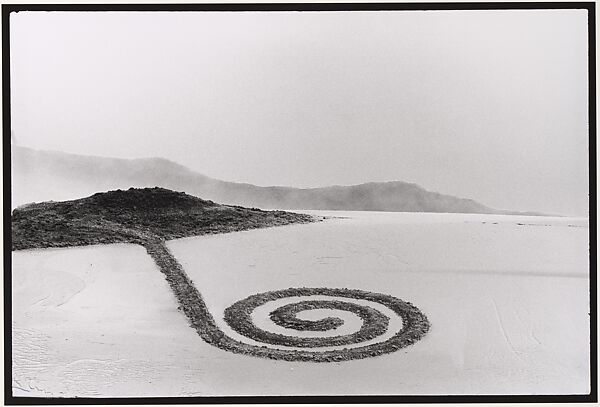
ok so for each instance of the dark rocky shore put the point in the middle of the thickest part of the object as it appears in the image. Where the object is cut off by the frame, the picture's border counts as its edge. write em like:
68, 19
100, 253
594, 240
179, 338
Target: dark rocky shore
134, 216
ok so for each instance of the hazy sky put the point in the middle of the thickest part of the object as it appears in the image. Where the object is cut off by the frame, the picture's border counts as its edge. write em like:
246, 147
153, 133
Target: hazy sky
489, 105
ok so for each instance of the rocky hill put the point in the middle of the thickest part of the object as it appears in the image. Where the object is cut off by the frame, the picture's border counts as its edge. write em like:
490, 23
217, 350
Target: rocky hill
134, 216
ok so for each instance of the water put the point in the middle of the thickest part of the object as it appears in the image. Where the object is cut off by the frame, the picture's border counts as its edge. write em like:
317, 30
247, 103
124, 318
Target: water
507, 302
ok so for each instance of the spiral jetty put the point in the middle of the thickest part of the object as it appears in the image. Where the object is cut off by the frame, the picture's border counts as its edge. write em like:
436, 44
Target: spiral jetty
150, 216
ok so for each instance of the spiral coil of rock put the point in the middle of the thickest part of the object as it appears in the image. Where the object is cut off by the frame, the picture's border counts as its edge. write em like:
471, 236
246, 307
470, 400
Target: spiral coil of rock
375, 323
238, 316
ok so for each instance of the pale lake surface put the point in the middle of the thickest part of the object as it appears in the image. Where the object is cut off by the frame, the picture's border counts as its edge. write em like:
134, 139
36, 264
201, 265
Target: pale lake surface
507, 298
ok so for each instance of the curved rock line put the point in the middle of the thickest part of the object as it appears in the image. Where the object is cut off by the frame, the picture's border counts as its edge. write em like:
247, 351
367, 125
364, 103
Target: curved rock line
238, 316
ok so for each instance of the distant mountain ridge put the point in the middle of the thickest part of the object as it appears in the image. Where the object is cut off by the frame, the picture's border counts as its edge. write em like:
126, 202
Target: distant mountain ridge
39, 175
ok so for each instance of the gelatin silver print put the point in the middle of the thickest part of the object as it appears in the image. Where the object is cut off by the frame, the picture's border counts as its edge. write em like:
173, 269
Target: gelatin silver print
298, 202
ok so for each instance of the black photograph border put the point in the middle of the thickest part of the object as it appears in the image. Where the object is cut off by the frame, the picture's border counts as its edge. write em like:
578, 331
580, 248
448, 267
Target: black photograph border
9, 399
